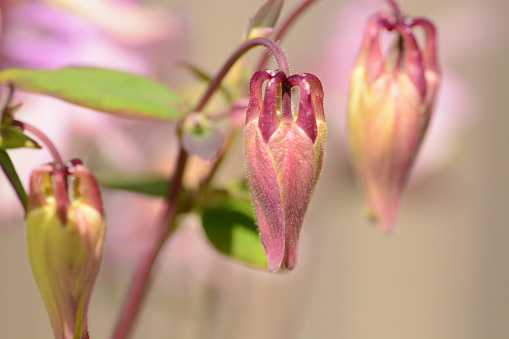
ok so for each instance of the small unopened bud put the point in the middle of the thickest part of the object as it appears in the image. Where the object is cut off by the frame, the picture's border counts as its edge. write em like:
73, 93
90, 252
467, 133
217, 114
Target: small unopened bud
391, 101
284, 156
65, 237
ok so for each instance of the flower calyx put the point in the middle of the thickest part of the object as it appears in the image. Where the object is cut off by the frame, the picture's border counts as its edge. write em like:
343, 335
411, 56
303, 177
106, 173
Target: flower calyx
284, 157
390, 107
65, 237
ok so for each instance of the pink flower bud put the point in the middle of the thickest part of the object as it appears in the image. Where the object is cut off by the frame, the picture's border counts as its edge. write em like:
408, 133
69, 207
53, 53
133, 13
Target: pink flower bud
284, 156
65, 237
390, 107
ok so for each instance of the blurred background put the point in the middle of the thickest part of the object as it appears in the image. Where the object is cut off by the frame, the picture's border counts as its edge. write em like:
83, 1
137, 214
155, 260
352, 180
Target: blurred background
443, 272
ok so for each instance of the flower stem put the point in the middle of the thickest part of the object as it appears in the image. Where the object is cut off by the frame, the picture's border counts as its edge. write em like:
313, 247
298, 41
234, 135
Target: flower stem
241, 50
140, 283
5, 161
284, 27
397, 11
60, 167
43, 138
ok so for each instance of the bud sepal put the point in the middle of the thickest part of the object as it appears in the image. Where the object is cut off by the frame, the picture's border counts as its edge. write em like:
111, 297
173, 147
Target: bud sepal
65, 237
284, 156
389, 110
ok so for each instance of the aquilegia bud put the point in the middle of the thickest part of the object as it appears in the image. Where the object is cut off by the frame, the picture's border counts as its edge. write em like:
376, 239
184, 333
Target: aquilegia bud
284, 156
390, 108
65, 237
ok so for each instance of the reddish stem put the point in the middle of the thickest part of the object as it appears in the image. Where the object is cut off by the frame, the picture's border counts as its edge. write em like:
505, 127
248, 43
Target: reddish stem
397, 12
60, 175
241, 50
284, 28
140, 283
43, 138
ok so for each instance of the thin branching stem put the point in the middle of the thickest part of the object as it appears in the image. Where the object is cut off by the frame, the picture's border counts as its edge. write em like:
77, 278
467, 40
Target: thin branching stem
241, 50
397, 12
43, 138
140, 283
285, 26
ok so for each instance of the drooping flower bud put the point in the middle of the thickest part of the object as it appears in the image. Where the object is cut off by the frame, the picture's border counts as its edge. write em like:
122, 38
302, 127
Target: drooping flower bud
65, 237
284, 156
390, 107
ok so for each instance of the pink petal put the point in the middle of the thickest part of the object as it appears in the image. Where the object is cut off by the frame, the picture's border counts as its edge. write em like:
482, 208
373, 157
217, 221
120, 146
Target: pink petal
293, 156
266, 197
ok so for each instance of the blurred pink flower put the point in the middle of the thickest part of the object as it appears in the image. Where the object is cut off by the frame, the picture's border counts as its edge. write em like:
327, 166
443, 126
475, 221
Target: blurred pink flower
133, 24
455, 108
391, 103
43, 35
38, 34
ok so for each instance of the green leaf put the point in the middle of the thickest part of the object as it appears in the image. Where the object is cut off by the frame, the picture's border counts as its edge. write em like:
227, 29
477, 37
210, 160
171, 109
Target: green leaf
230, 227
119, 93
145, 183
12, 175
13, 137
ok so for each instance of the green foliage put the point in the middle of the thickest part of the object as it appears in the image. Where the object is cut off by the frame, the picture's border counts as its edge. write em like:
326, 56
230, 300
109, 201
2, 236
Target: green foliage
119, 93
12, 175
229, 225
144, 183
13, 137
227, 215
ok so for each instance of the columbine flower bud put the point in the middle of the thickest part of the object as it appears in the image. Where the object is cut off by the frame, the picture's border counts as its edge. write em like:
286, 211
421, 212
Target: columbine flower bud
390, 108
284, 156
65, 237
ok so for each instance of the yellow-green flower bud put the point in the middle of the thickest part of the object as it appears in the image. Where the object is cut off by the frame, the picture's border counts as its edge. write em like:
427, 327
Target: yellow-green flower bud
390, 107
65, 237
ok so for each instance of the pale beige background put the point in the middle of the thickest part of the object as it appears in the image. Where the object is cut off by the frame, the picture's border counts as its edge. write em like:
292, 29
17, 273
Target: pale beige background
443, 274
